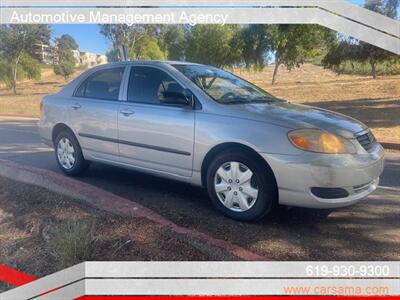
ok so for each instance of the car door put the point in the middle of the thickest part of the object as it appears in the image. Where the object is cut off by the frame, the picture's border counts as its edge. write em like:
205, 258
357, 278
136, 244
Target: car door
153, 135
94, 113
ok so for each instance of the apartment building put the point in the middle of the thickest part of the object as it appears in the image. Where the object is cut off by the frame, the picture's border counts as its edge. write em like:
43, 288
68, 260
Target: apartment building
48, 55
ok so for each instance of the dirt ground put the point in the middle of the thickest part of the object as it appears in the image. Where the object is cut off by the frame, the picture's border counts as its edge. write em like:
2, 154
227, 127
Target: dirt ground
374, 102
368, 230
30, 93
29, 217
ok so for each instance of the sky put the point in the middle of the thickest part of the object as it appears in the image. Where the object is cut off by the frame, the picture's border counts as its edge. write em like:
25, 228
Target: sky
89, 38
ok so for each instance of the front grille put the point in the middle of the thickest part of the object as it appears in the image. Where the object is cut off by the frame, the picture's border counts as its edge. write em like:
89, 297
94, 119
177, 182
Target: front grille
366, 140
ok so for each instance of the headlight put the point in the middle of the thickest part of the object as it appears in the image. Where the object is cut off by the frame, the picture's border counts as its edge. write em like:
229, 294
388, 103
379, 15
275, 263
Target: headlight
316, 140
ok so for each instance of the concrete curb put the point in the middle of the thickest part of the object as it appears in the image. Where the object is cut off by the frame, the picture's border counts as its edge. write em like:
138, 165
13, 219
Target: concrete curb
112, 203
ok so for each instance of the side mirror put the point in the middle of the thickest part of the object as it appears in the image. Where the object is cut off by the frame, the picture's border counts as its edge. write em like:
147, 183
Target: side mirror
179, 98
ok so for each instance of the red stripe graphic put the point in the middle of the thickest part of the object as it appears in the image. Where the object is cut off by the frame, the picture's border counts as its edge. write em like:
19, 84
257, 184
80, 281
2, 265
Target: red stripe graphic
14, 277
236, 297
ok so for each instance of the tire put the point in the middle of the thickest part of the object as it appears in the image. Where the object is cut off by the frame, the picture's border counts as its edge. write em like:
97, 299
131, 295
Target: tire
71, 167
246, 204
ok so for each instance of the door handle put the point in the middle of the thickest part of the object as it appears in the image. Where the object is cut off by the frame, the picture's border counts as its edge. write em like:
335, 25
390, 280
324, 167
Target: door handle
127, 112
76, 106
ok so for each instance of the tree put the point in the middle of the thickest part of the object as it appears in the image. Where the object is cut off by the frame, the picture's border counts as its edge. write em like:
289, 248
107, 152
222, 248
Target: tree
142, 40
214, 45
172, 42
391, 8
113, 55
27, 68
18, 40
146, 48
294, 44
291, 45
66, 59
352, 50
65, 68
368, 52
5, 72
66, 43
122, 34
255, 46
388, 8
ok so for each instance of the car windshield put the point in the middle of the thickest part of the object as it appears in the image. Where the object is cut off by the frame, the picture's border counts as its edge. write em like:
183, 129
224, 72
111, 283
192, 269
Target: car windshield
224, 87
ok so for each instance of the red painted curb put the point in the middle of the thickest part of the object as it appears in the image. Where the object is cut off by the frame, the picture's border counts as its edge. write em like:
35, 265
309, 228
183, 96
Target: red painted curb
14, 277
110, 202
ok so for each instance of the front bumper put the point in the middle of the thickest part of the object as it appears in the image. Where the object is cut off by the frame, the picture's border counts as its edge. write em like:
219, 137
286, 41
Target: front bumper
358, 174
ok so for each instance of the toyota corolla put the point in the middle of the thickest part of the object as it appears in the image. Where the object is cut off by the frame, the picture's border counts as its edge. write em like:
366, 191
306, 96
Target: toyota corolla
205, 126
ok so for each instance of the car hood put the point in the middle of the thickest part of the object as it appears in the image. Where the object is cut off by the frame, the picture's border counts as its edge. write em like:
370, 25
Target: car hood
295, 116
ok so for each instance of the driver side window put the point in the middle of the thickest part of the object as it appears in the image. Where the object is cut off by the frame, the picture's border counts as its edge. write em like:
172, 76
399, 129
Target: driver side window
151, 85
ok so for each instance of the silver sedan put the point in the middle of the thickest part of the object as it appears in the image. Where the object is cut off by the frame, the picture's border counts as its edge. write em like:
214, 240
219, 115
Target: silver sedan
208, 127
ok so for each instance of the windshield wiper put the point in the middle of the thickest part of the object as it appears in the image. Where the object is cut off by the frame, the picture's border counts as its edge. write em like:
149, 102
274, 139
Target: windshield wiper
262, 100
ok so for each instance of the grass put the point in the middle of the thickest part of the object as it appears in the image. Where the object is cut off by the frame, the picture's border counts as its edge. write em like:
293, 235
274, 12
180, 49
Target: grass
74, 241
42, 232
374, 102
29, 94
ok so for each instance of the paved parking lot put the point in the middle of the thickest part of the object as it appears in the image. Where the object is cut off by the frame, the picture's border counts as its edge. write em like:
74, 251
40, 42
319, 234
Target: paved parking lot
369, 230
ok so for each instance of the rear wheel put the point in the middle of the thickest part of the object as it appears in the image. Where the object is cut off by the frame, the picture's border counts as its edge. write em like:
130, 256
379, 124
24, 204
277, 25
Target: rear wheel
241, 186
69, 154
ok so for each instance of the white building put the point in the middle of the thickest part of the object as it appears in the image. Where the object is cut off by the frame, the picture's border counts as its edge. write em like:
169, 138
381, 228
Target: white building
44, 53
88, 59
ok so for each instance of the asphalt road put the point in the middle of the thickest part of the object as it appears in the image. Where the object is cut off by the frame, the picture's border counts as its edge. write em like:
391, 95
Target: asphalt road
369, 230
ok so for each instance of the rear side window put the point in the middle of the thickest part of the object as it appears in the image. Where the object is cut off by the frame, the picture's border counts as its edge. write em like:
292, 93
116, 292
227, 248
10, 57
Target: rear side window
151, 85
103, 84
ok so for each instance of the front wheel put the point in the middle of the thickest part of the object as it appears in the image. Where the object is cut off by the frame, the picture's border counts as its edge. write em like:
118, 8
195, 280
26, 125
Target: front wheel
241, 186
69, 154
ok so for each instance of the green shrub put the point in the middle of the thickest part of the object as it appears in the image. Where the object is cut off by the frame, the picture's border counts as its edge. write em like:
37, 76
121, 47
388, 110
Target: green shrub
389, 67
28, 67
65, 69
73, 242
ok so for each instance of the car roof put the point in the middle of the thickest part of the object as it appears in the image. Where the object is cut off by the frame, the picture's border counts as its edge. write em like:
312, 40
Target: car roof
147, 62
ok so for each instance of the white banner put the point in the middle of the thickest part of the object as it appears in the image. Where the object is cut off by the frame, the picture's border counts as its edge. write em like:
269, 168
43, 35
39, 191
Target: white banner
216, 279
338, 15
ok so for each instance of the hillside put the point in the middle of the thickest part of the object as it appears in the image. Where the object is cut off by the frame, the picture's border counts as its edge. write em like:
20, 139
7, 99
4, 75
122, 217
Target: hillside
374, 102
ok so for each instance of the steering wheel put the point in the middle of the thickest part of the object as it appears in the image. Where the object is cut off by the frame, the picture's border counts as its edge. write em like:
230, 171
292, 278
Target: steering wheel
228, 95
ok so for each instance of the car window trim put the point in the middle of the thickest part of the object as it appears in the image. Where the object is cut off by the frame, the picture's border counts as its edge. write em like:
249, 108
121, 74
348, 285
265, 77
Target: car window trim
153, 104
84, 81
234, 75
